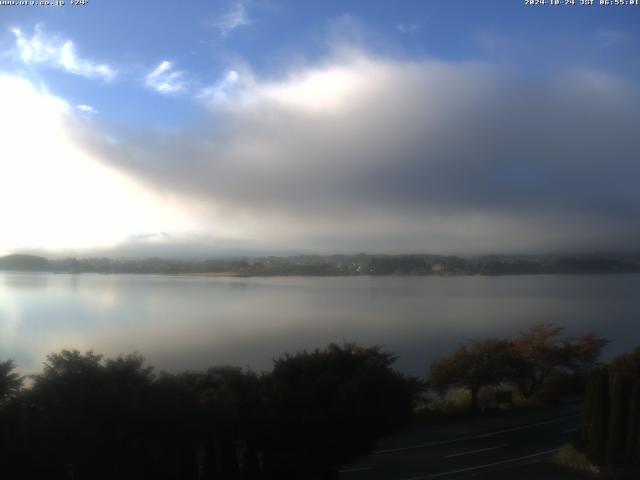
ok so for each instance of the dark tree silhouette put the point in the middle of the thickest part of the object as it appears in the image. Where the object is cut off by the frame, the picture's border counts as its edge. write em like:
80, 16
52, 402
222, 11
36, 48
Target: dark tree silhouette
628, 362
90, 417
87, 413
328, 407
480, 364
10, 382
10, 414
542, 352
529, 361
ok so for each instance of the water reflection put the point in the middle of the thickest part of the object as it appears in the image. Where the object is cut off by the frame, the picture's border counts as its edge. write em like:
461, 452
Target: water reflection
19, 281
193, 322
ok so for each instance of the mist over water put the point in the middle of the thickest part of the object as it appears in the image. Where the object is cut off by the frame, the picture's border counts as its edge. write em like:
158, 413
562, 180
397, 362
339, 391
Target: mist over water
181, 323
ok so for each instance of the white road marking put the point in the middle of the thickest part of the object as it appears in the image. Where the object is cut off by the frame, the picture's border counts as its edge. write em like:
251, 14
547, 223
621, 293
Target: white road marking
486, 465
494, 470
475, 451
473, 437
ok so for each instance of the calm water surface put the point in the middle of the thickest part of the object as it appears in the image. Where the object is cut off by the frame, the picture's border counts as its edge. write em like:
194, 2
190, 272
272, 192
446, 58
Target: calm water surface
193, 322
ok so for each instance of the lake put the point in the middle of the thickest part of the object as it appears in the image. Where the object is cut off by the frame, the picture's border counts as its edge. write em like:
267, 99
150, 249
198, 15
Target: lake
181, 322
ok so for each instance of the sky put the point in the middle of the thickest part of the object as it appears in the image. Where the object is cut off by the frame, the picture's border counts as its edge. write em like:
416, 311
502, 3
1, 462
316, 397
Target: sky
263, 126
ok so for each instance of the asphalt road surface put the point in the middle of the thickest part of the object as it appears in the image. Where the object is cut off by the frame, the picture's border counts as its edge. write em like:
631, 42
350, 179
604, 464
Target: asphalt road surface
519, 448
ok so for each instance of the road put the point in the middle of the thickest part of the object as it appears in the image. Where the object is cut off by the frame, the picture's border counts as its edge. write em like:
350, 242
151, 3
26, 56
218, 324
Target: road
519, 447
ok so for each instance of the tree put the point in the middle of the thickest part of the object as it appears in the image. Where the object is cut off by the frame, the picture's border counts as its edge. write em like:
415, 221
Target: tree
480, 364
628, 362
541, 353
10, 381
88, 414
328, 407
10, 413
596, 415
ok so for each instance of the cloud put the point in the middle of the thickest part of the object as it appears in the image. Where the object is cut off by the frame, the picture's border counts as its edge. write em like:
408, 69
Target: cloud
86, 108
222, 91
236, 17
364, 153
610, 37
408, 28
58, 53
163, 79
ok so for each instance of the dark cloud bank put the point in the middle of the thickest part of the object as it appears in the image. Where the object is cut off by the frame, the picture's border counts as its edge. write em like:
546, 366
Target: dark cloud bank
370, 154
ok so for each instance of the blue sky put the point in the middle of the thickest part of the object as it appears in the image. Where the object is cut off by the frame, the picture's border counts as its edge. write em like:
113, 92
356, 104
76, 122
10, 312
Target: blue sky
134, 37
166, 94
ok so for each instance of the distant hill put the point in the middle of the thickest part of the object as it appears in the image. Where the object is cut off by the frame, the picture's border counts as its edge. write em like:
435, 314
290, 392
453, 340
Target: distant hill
595, 265
361, 264
29, 263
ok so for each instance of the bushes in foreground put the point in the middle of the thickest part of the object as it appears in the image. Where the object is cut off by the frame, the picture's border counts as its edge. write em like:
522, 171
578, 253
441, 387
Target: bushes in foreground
89, 417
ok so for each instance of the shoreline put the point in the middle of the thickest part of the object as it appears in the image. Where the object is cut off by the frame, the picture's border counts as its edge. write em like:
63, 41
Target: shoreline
270, 275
